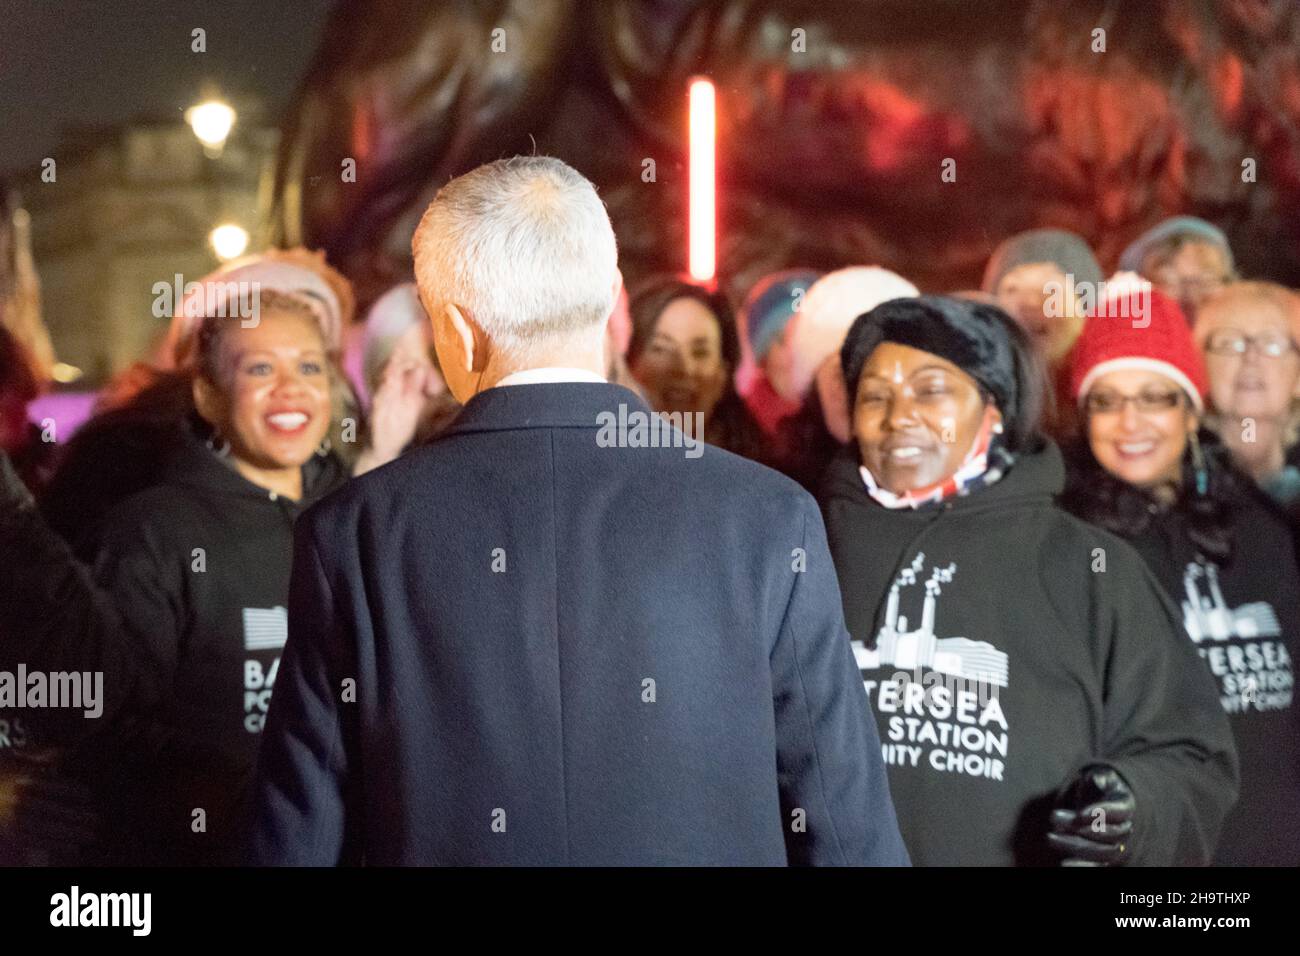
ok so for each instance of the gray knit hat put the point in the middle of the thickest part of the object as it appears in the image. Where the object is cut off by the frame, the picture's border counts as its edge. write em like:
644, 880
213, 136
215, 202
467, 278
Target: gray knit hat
1185, 227
1063, 249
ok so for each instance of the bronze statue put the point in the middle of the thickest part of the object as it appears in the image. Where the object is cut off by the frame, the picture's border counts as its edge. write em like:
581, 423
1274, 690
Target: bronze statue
912, 134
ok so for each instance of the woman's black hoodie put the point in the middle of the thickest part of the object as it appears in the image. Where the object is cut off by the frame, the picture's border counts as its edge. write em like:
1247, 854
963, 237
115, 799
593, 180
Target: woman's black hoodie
1242, 614
1078, 656
198, 570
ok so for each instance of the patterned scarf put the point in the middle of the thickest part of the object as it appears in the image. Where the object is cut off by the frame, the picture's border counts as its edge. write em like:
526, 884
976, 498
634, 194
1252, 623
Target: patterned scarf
984, 464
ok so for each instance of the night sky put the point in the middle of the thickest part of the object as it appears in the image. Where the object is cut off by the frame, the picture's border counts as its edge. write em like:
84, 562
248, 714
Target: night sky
73, 62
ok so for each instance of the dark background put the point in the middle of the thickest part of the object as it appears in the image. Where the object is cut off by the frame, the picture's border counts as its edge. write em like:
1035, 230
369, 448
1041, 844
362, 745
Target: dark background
66, 63
826, 158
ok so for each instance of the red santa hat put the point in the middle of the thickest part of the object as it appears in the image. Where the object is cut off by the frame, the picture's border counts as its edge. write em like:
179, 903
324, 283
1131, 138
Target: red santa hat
1137, 326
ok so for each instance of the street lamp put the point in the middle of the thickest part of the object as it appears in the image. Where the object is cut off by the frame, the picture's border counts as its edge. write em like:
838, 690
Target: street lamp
228, 241
211, 121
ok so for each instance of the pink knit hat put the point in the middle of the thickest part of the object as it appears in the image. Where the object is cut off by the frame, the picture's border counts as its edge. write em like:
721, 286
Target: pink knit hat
298, 272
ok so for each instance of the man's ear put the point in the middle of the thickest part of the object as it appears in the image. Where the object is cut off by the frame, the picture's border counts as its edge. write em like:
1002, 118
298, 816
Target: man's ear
618, 286
473, 342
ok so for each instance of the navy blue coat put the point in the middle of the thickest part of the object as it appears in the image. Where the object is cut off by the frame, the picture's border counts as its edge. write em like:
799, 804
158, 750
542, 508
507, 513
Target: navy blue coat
517, 646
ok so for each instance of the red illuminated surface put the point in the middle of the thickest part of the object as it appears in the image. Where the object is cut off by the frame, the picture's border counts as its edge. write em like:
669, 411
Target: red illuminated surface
703, 221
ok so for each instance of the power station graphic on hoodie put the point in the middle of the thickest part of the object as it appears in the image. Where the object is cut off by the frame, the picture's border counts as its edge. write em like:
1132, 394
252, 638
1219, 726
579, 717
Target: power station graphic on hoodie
948, 718
956, 656
1254, 673
266, 629
1207, 616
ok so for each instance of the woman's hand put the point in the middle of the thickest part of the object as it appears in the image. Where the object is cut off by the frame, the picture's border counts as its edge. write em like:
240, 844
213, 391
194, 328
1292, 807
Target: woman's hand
395, 412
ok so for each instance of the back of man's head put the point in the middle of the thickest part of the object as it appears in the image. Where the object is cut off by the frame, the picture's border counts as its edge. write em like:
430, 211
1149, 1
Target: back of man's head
524, 248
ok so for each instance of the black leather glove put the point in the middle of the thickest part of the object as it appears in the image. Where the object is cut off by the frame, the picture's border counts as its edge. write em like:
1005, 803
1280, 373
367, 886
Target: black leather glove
1092, 819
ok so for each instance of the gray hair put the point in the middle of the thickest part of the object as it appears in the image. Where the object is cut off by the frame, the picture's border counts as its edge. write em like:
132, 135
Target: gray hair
524, 246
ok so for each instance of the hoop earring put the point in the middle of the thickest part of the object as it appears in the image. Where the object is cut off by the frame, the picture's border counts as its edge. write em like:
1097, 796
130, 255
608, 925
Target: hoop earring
325, 446
224, 450
1198, 464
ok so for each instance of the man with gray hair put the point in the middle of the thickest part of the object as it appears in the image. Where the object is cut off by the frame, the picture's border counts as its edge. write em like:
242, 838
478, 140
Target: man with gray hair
526, 645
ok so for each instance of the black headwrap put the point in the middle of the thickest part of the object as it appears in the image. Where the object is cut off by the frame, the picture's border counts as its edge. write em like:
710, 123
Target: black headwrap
981, 340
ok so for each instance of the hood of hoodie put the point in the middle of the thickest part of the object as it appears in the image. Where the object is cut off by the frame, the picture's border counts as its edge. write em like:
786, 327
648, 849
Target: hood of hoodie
196, 466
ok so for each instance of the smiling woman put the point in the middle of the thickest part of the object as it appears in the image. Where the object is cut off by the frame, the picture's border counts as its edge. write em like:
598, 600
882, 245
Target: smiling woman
1249, 334
264, 388
198, 567
684, 351
955, 564
1145, 472
916, 417
940, 399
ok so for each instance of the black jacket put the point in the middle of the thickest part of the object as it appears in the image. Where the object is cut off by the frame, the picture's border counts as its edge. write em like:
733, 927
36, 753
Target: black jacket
114, 455
198, 569
1244, 620
52, 619
1078, 658
520, 646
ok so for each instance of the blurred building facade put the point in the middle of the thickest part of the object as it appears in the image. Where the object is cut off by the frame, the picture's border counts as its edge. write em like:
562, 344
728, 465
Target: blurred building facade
121, 212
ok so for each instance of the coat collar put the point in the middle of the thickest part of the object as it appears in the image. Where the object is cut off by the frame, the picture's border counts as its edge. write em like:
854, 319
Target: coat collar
546, 405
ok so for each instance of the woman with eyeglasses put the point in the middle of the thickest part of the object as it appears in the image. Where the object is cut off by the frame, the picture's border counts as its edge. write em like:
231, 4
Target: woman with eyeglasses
1248, 333
1146, 472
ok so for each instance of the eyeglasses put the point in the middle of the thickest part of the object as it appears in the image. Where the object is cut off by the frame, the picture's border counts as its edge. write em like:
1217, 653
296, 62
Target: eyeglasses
1231, 342
1148, 403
